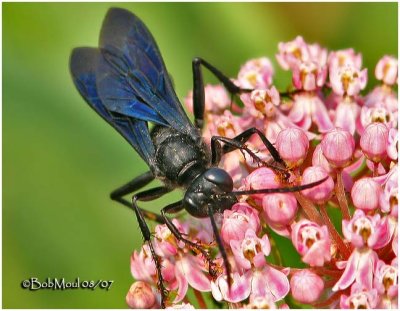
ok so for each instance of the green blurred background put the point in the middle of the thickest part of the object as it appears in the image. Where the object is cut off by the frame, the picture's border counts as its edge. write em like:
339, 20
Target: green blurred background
60, 160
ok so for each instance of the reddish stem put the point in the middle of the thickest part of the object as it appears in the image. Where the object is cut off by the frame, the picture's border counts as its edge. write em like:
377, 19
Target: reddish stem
200, 299
324, 271
308, 208
341, 196
318, 270
328, 301
343, 248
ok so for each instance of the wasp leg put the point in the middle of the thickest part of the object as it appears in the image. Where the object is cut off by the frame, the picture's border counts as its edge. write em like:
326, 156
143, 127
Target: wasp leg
150, 195
220, 245
132, 186
198, 88
238, 142
197, 248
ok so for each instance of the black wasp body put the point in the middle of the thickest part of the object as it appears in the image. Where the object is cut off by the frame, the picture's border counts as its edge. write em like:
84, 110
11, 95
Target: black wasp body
125, 81
184, 161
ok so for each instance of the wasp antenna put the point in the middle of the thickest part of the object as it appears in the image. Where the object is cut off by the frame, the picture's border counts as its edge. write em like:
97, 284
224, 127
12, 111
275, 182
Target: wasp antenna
220, 246
280, 190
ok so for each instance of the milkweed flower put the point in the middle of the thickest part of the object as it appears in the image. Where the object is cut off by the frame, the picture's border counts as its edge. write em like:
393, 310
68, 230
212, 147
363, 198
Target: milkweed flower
312, 242
360, 298
324, 127
386, 70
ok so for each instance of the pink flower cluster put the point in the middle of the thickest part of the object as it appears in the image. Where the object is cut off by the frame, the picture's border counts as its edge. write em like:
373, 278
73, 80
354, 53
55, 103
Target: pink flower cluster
323, 127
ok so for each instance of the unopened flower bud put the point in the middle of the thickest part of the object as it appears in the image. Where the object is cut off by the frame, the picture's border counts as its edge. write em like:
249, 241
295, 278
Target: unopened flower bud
321, 193
338, 146
262, 178
280, 208
306, 286
140, 296
318, 159
365, 194
292, 145
374, 141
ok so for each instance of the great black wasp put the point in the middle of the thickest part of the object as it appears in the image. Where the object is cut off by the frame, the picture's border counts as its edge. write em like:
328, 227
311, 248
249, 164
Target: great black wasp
125, 81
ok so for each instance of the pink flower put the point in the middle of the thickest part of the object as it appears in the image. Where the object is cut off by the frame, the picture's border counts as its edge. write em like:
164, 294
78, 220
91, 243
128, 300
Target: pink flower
360, 298
142, 296
308, 109
386, 70
293, 53
216, 99
359, 268
237, 220
260, 98
321, 193
306, 286
382, 96
378, 114
346, 114
389, 197
280, 208
318, 159
338, 146
261, 302
386, 279
312, 242
251, 251
165, 243
342, 58
366, 231
234, 164
240, 289
262, 110
309, 76
348, 80
374, 141
189, 270
292, 145
142, 265
256, 74
181, 306
365, 194
393, 141
269, 282
225, 124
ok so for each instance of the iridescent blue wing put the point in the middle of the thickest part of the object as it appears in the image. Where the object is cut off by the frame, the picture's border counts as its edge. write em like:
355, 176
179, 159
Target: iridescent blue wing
83, 64
132, 70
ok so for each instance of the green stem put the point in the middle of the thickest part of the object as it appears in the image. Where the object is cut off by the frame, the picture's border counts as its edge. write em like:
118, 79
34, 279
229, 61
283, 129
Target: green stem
275, 251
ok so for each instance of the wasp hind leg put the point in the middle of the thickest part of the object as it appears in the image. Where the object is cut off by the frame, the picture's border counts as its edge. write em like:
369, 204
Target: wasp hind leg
150, 195
141, 215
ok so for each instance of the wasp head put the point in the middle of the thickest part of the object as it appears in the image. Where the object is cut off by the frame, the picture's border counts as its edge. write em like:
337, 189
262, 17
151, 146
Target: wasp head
211, 188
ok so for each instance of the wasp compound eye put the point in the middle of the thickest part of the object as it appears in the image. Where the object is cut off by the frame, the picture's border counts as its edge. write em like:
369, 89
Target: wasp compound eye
220, 178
